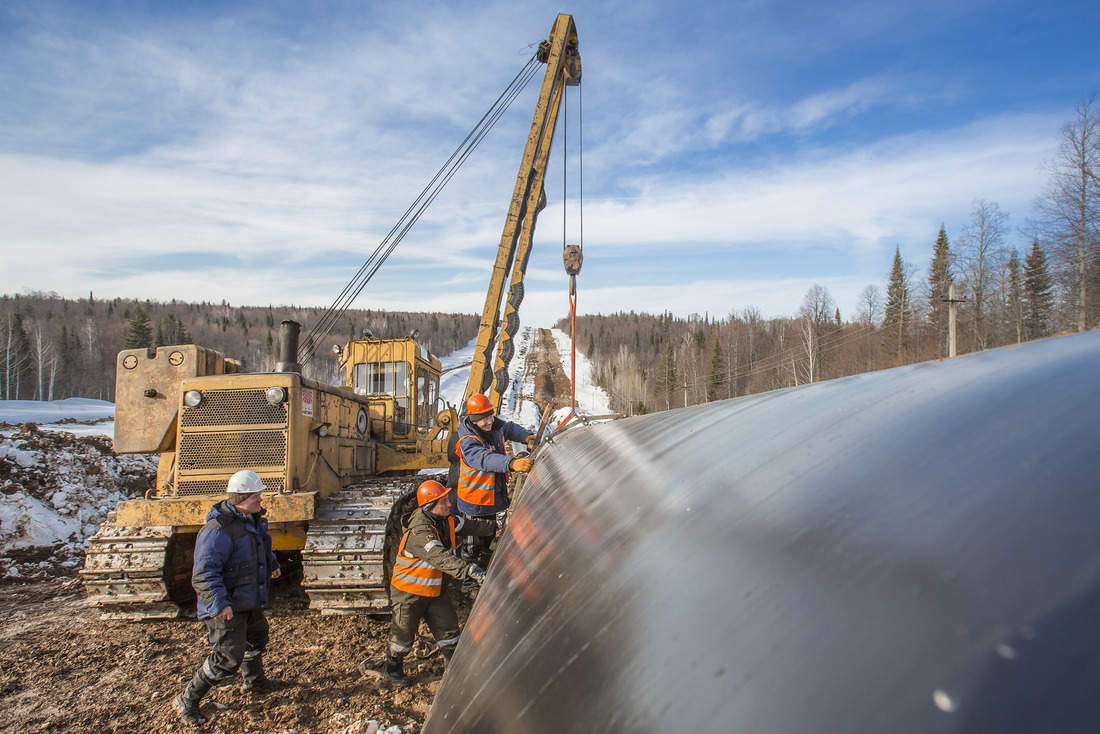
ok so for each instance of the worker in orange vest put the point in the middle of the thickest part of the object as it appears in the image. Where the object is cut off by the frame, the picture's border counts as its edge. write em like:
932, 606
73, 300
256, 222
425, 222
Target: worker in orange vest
483, 467
418, 585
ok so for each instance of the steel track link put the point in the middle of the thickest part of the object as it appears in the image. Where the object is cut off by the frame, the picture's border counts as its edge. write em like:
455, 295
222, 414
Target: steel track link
343, 562
125, 573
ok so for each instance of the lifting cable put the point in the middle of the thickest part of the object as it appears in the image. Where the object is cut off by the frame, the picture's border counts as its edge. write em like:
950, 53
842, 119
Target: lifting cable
435, 186
573, 255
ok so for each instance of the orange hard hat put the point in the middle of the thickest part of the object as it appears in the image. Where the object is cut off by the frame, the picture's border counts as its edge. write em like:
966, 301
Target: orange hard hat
429, 491
478, 405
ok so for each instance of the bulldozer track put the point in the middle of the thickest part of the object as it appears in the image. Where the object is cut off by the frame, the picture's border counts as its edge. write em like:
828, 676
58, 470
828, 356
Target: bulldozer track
344, 564
129, 572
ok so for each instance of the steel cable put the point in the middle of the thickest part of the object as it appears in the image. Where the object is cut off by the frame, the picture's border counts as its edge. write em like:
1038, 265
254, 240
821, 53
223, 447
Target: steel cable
435, 186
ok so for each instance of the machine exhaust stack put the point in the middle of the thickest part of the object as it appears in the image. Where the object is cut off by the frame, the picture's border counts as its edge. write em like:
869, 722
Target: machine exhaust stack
288, 347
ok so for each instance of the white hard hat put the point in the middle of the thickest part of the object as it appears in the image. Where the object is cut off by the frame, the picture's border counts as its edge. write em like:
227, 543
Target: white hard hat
245, 482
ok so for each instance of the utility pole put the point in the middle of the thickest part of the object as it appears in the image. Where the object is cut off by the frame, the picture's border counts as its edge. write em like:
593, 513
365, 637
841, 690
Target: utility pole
952, 303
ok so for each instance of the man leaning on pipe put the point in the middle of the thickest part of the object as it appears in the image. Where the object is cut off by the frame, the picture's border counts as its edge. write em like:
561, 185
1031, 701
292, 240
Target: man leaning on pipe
482, 476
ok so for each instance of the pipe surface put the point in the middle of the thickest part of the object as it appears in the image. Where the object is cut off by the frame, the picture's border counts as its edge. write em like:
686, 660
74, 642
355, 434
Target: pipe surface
910, 550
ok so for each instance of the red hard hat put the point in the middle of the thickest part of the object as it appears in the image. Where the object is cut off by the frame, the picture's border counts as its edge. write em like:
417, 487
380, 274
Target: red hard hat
478, 405
429, 491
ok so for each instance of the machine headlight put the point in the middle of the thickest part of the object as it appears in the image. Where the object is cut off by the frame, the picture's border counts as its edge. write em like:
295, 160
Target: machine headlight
192, 398
276, 395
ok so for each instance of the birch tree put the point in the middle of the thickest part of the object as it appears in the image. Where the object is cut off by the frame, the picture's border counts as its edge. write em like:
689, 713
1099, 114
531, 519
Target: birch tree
1068, 210
979, 257
815, 311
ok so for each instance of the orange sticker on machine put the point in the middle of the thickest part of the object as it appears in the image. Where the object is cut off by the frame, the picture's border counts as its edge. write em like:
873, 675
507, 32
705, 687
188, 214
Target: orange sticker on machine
307, 402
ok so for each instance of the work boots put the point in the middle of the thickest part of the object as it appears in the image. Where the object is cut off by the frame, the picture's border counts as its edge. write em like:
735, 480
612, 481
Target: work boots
187, 702
252, 670
395, 672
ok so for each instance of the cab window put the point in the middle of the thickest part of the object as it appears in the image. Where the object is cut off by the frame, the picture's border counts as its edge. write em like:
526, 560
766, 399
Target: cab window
427, 388
381, 378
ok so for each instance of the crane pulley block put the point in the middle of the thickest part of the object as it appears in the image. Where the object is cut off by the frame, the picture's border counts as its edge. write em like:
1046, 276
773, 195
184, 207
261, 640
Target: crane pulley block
573, 257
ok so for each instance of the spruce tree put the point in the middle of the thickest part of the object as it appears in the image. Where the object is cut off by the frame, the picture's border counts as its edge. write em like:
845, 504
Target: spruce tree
939, 285
1038, 293
182, 336
665, 380
896, 323
140, 334
717, 372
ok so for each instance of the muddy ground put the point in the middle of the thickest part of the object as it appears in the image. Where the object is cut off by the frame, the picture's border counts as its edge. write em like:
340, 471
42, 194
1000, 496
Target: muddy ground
551, 383
62, 669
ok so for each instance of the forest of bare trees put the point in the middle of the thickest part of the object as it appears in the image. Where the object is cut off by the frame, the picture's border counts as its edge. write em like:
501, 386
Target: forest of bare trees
1010, 285
53, 348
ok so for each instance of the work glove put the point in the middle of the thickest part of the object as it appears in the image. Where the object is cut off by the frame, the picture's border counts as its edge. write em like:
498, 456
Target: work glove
476, 572
530, 442
521, 465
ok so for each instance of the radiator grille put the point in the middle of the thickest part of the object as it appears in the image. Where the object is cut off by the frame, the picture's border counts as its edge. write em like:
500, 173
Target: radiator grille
234, 408
205, 449
189, 488
232, 450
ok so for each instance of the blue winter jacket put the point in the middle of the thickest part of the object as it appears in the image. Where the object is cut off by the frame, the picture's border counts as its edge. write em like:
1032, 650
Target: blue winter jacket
233, 561
485, 451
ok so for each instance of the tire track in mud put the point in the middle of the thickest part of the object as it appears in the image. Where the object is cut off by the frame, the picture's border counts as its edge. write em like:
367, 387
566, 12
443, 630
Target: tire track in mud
543, 373
551, 382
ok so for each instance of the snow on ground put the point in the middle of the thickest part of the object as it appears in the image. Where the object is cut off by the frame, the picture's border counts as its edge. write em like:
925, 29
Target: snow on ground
58, 484
591, 399
78, 416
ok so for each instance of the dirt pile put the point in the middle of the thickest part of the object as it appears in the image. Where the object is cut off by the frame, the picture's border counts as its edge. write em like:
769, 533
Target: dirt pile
56, 489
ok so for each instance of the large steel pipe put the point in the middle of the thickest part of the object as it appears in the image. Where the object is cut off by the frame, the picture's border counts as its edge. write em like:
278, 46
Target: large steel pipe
914, 550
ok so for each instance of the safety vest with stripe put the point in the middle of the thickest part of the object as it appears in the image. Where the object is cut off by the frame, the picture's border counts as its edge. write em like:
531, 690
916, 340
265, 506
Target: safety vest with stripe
415, 575
475, 486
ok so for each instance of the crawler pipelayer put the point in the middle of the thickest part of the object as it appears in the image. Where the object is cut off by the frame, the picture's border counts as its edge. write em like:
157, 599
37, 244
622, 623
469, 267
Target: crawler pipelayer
335, 459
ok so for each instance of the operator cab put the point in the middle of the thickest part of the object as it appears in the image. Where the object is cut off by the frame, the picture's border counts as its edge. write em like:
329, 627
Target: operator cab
401, 380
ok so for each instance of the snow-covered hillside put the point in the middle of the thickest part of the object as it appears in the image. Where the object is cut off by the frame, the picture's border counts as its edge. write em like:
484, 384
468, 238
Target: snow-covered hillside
591, 399
58, 483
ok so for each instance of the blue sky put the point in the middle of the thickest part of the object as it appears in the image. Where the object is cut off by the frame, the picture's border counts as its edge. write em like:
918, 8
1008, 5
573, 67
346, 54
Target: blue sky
735, 153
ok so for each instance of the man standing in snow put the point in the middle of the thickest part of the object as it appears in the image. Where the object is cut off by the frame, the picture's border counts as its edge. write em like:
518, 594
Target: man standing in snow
234, 564
482, 477
418, 588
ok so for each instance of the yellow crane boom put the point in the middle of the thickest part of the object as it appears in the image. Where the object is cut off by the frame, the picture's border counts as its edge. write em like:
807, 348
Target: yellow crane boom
560, 52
